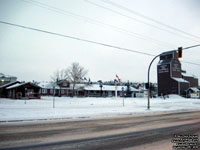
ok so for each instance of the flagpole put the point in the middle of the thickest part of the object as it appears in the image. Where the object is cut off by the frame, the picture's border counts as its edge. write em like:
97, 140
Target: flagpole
115, 91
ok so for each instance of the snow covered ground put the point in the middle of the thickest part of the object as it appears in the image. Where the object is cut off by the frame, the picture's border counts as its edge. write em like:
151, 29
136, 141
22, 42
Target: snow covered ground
66, 107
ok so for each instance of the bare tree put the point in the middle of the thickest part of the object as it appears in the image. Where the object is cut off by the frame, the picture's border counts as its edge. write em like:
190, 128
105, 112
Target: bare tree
59, 75
75, 73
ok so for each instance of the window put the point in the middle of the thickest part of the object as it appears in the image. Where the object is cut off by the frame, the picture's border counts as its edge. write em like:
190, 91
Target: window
51, 91
62, 91
44, 91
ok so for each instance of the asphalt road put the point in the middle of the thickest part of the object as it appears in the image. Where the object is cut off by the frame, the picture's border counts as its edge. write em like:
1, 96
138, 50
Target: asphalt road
153, 131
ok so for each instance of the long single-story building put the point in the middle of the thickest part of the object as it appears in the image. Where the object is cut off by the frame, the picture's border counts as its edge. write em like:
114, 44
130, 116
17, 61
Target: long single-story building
83, 90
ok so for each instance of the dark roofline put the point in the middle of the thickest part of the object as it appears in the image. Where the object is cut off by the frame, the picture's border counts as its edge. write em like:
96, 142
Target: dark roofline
9, 84
168, 52
24, 84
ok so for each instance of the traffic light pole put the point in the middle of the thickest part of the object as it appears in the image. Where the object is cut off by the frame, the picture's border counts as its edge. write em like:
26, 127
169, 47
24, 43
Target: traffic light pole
179, 54
148, 105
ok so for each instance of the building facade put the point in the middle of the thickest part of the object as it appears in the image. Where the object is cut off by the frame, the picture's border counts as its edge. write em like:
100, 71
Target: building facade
5, 79
169, 74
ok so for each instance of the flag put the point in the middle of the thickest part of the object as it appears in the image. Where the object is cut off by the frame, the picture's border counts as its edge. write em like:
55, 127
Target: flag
118, 79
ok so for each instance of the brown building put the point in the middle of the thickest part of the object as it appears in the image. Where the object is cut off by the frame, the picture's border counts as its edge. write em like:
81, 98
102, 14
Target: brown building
190, 78
170, 79
23, 90
4, 91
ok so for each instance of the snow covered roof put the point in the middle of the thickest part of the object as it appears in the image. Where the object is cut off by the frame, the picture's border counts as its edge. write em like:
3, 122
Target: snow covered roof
188, 75
48, 85
8, 84
20, 84
91, 87
96, 87
6, 76
180, 80
194, 89
166, 61
15, 85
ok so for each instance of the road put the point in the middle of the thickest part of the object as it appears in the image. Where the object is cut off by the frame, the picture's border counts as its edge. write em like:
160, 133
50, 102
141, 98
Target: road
127, 132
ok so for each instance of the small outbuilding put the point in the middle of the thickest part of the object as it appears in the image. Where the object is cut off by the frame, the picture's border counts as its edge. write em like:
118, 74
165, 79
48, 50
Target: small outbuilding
23, 90
193, 92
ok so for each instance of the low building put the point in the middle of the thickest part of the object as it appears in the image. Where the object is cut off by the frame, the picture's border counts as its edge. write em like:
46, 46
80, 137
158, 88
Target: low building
4, 91
49, 89
193, 93
95, 90
23, 90
64, 88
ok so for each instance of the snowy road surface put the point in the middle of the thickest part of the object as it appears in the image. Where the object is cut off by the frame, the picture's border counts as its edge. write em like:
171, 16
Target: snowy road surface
127, 132
66, 107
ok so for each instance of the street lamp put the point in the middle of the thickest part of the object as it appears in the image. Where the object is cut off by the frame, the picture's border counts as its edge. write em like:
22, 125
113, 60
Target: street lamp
2, 80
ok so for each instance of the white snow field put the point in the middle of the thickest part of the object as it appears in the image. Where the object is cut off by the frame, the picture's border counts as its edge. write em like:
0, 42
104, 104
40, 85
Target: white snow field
70, 108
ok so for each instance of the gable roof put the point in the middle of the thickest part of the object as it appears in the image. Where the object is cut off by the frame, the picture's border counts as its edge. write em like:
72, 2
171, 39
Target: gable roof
9, 84
20, 84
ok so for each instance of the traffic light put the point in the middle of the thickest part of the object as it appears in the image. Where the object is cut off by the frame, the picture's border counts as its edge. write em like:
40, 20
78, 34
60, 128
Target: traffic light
147, 85
180, 52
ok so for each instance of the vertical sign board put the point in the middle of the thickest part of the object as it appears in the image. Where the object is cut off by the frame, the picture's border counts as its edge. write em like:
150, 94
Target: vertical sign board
163, 69
176, 69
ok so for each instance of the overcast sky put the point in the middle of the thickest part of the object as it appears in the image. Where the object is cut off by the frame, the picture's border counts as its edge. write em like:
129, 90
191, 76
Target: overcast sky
31, 55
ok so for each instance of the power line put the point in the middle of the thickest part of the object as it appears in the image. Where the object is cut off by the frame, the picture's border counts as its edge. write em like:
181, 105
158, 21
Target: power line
89, 41
191, 46
96, 22
75, 38
132, 18
148, 18
187, 62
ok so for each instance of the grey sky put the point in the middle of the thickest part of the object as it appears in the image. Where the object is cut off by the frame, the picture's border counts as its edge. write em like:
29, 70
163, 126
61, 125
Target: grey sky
32, 55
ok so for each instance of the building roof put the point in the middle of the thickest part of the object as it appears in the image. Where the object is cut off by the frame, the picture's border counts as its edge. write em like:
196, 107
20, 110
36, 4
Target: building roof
20, 84
9, 84
168, 52
188, 75
194, 89
96, 87
165, 61
180, 80
6, 76
48, 85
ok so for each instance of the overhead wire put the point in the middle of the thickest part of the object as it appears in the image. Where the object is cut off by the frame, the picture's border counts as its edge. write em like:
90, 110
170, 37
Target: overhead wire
97, 22
140, 21
88, 41
75, 38
148, 18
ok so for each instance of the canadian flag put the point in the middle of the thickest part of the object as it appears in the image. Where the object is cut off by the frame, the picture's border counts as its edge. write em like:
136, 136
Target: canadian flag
117, 77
